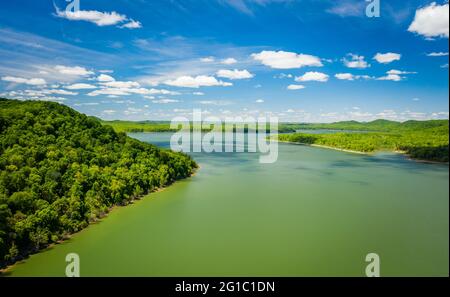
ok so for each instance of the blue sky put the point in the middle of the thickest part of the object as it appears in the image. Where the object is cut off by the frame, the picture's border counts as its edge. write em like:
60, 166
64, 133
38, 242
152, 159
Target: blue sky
300, 60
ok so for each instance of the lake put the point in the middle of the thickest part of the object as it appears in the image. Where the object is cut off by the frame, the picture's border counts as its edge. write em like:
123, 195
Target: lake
315, 212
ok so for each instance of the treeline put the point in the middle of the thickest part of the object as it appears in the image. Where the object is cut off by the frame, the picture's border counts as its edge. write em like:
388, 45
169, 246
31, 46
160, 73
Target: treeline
60, 170
373, 126
426, 140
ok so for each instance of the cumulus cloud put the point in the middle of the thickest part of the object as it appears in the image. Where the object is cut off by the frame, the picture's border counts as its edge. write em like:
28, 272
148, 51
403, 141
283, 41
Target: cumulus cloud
121, 84
355, 61
349, 76
312, 76
99, 18
80, 86
259, 101
229, 61
196, 82
431, 21
395, 75
93, 16
394, 71
234, 74
21, 80
105, 78
345, 76
73, 71
286, 60
387, 57
295, 87
207, 59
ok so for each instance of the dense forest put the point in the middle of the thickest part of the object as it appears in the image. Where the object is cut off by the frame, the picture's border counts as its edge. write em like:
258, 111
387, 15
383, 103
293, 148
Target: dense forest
426, 140
60, 170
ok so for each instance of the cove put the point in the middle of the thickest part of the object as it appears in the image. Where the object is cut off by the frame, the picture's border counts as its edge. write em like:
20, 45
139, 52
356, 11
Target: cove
314, 212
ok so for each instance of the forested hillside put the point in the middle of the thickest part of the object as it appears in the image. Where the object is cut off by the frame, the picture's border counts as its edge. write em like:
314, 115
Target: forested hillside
60, 169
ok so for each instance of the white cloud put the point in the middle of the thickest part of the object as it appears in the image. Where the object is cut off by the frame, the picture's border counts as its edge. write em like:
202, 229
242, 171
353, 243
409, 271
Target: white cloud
162, 92
109, 111
345, 76
109, 91
286, 60
295, 87
198, 93
132, 24
234, 74
80, 86
196, 82
93, 16
283, 75
215, 102
398, 72
121, 84
58, 92
165, 101
312, 76
105, 78
387, 57
73, 71
431, 21
395, 75
444, 66
207, 59
355, 61
416, 99
229, 61
21, 80
127, 88
349, 76
437, 54
259, 101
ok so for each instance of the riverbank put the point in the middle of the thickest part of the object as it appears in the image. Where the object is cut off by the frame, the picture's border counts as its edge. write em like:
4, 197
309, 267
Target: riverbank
323, 146
362, 153
4, 271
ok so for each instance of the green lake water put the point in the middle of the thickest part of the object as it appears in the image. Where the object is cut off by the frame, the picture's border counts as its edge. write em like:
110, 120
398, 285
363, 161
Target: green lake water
315, 212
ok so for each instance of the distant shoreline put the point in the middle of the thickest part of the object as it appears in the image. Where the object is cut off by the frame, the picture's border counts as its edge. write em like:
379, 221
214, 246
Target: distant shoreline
323, 146
358, 152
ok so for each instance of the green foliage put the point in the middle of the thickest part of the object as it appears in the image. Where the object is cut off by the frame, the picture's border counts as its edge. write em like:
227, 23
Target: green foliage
60, 169
427, 140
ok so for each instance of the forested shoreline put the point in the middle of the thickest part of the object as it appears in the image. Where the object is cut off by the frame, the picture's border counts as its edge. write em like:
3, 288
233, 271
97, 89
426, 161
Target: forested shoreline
427, 140
61, 170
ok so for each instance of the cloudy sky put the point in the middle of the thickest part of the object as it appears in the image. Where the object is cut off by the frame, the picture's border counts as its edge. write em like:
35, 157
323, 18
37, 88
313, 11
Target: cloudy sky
301, 60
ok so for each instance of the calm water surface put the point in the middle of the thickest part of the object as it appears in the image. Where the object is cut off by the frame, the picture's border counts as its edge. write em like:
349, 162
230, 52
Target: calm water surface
315, 212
